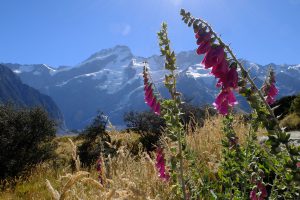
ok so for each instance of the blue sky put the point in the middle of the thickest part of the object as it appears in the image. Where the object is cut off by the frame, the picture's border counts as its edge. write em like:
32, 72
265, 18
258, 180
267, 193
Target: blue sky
65, 32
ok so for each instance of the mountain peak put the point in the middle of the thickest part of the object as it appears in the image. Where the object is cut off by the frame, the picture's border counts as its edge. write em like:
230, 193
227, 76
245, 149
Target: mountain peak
119, 51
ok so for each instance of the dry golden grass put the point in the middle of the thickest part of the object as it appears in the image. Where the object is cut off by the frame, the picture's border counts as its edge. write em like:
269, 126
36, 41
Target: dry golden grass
206, 141
126, 176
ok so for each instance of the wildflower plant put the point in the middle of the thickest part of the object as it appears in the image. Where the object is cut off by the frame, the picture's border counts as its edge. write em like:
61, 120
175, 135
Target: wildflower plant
247, 171
171, 112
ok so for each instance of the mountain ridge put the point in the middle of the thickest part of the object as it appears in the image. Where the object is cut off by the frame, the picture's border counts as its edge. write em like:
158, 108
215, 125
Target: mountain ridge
111, 80
12, 90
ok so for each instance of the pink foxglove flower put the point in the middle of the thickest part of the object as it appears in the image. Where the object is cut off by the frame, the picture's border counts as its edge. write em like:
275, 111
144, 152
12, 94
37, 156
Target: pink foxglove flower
298, 164
204, 47
262, 188
152, 102
232, 78
224, 101
203, 40
229, 79
253, 195
160, 165
157, 108
220, 70
272, 93
269, 87
259, 192
214, 57
148, 94
150, 98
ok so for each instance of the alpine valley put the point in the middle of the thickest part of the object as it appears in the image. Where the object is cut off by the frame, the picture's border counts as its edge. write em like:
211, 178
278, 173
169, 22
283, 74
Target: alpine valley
13, 91
111, 81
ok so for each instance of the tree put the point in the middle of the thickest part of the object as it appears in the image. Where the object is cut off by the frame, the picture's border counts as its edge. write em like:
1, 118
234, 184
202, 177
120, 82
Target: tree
147, 124
194, 116
142, 122
95, 141
25, 139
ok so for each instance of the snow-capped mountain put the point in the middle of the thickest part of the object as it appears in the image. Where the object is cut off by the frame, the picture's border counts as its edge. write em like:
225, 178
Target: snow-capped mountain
111, 81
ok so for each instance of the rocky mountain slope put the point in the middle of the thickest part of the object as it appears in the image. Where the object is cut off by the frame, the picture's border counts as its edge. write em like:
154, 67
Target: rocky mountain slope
12, 90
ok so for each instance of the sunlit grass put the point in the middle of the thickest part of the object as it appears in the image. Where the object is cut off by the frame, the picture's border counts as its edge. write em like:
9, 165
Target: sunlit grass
128, 176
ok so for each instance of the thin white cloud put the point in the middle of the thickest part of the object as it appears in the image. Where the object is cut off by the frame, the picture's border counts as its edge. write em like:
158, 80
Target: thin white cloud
176, 2
120, 29
126, 29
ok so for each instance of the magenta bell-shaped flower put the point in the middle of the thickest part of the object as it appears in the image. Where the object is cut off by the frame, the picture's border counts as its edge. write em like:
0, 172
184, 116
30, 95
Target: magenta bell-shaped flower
273, 92
160, 165
150, 98
229, 79
225, 100
269, 88
157, 108
204, 47
213, 57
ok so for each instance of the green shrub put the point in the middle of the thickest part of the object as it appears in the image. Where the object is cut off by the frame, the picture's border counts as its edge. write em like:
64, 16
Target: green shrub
148, 125
25, 139
193, 116
95, 141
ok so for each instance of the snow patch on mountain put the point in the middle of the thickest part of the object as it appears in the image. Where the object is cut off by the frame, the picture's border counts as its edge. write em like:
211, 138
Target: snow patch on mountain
120, 52
17, 71
112, 80
295, 67
26, 68
198, 72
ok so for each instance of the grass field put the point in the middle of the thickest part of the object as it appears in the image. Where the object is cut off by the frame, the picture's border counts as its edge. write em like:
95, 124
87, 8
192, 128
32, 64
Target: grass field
127, 176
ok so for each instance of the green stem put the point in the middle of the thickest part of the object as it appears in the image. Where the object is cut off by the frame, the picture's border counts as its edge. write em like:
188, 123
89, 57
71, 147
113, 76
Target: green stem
181, 166
165, 45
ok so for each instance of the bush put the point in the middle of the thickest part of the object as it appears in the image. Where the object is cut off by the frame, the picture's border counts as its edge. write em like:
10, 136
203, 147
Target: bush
150, 126
95, 141
142, 122
25, 139
194, 116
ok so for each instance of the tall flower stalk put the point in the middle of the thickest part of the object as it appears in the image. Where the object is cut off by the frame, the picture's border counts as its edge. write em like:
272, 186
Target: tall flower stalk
172, 111
246, 86
221, 67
